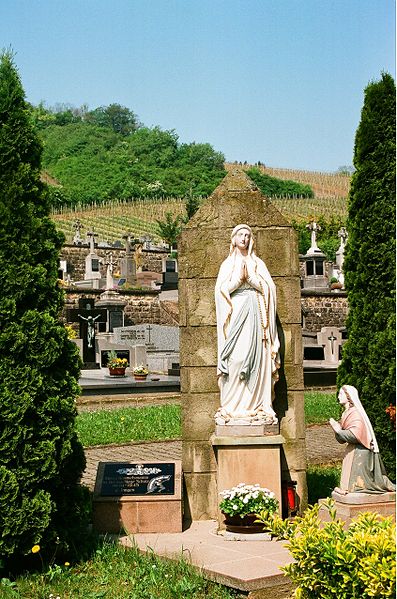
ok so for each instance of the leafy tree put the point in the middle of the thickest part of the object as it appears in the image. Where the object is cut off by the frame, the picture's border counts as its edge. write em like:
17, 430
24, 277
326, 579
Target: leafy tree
369, 354
118, 118
41, 459
170, 228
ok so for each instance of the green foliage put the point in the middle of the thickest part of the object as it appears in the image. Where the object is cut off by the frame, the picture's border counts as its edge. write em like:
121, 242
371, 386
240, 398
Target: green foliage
271, 186
40, 458
368, 359
321, 481
170, 228
331, 561
118, 118
105, 154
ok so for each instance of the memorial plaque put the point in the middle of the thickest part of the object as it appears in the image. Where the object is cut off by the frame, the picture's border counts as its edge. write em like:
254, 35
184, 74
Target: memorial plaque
120, 479
115, 319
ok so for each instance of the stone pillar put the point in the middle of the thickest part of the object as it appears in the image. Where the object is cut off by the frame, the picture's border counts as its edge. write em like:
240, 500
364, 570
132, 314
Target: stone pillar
202, 247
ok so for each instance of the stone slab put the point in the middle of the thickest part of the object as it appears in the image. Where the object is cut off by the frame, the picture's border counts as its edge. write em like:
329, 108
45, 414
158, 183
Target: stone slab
364, 498
254, 430
347, 512
249, 566
237, 441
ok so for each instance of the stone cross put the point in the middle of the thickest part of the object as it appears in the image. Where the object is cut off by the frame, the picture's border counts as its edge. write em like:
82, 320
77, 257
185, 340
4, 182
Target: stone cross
330, 338
128, 243
91, 237
313, 228
77, 227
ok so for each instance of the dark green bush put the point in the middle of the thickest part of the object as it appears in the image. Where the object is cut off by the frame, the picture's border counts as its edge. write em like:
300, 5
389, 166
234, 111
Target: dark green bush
368, 360
41, 459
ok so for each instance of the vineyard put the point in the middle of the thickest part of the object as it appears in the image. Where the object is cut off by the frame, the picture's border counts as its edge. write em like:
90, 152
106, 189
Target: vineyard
138, 217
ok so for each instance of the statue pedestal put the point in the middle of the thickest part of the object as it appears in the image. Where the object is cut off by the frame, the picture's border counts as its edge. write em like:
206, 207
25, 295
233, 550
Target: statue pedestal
349, 506
249, 460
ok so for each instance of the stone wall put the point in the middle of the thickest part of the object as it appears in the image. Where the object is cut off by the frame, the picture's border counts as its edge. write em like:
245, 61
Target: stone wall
323, 309
203, 245
142, 306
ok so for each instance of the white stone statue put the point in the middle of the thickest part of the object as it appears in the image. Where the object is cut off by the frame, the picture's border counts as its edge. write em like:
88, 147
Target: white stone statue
362, 468
248, 343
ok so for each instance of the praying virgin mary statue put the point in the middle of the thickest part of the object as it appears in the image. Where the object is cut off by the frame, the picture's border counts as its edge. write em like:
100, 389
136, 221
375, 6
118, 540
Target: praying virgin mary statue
248, 343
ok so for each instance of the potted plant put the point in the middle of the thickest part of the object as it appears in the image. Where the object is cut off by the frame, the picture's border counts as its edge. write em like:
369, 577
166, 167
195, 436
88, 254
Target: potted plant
140, 373
116, 365
241, 504
335, 284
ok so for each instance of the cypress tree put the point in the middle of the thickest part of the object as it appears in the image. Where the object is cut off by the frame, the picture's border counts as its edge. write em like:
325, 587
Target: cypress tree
41, 459
368, 360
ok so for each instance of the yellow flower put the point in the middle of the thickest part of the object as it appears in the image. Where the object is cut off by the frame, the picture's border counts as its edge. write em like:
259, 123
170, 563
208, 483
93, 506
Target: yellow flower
35, 548
67, 564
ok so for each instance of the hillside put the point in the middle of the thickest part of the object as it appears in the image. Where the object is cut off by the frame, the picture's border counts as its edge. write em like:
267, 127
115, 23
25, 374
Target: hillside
112, 219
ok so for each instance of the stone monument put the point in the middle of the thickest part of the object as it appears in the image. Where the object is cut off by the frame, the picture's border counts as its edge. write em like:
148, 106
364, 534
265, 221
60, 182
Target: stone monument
208, 458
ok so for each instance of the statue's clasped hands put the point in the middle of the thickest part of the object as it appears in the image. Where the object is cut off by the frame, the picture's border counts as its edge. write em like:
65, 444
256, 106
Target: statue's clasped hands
335, 425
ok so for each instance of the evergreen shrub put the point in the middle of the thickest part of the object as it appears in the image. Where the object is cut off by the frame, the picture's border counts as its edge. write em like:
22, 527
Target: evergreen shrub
41, 459
368, 359
272, 186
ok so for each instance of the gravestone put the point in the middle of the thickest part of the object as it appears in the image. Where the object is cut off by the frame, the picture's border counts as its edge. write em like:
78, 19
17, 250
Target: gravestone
92, 263
201, 250
88, 316
127, 264
170, 275
330, 338
143, 497
161, 343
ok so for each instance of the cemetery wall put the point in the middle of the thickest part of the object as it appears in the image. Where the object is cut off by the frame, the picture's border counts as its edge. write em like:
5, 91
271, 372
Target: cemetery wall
323, 309
142, 306
75, 258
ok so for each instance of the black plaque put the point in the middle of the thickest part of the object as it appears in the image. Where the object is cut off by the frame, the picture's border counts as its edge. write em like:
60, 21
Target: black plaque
137, 479
115, 319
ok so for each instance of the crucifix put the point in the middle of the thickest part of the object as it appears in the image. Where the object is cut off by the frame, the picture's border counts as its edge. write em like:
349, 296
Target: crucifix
313, 228
149, 328
87, 316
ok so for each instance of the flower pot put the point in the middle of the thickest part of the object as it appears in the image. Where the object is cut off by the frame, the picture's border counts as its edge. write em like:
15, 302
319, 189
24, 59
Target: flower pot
245, 525
336, 285
140, 377
117, 371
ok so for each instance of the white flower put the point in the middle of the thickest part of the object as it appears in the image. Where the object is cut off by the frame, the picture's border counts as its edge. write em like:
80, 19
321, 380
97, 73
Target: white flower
235, 507
246, 499
255, 494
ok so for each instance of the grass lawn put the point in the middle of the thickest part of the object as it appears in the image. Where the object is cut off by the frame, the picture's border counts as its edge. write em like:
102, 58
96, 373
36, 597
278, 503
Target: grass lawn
320, 407
156, 423
150, 423
115, 573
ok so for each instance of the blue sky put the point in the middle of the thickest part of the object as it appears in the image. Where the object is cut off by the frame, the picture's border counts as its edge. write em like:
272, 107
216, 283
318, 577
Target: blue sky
280, 81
